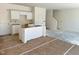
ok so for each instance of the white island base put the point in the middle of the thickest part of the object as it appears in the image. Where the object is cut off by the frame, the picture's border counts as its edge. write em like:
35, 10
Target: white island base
29, 33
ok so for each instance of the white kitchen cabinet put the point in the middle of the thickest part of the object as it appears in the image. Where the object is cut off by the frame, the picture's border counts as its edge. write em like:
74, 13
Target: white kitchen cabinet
28, 14
15, 29
22, 13
14, 14
40, 18
39, 15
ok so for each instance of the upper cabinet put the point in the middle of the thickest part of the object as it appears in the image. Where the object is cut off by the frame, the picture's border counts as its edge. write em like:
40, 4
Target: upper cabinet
16, 14
29, 15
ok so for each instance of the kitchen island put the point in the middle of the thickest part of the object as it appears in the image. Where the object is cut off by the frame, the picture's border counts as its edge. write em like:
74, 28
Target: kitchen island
31, 32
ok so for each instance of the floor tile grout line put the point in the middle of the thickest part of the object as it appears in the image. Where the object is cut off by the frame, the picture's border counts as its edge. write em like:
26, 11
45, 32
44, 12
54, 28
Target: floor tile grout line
69, 49
37, 47
11, 47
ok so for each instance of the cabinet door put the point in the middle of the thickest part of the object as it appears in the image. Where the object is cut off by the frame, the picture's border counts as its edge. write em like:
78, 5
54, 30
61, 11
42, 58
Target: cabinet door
15, 29
42, 15
22, 13
14, 14
29, 15
36, 20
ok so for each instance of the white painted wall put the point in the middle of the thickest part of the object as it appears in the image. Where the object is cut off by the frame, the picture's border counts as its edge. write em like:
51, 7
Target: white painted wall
4, 18
68, 19
51, 22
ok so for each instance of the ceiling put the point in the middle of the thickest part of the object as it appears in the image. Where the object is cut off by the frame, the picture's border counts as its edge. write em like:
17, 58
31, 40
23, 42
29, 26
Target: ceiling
52, 5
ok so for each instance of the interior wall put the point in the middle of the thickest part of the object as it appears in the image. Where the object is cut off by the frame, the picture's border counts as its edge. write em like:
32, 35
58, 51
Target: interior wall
4, 16
68, 19
51, 22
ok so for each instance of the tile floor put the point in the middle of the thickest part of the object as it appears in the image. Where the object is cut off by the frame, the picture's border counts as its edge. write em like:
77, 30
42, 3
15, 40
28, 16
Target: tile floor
11, 45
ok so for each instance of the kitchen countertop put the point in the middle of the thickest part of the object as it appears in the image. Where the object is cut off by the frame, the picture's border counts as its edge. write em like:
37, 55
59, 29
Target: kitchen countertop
32, 26
15, 24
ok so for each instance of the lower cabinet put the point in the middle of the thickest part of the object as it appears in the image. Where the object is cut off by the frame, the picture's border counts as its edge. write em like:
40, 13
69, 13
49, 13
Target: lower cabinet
15, 29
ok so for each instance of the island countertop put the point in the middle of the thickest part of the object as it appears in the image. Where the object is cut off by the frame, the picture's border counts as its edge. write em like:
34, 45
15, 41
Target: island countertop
31, 26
